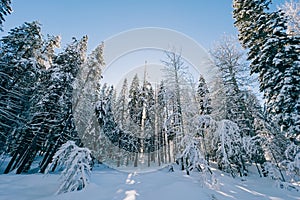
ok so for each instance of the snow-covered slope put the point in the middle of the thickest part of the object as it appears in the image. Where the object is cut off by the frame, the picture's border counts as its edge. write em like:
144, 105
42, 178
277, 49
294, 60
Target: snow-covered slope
110, 184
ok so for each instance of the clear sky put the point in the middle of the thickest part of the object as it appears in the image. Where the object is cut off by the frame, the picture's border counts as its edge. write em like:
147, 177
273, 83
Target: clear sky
203, 20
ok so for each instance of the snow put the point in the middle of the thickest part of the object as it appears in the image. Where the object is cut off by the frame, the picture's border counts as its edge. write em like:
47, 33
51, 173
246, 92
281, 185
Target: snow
110, 184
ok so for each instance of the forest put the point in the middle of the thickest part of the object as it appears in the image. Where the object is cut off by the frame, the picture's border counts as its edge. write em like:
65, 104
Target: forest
54, 108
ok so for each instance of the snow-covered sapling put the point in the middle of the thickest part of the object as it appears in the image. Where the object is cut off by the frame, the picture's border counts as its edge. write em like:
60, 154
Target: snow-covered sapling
76, 165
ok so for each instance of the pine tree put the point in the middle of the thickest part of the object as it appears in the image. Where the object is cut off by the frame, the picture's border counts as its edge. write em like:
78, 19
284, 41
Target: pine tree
20, 72
121, 111
203, 97
60, 117
274, 55
5, 9
134, 105
148, 122
162, 116
50, 120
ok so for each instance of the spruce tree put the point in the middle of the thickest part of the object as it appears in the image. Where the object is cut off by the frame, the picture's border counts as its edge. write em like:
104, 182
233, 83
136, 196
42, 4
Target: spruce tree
5, 9
134, 105
274, 55
203, 97
121, 111
20, 72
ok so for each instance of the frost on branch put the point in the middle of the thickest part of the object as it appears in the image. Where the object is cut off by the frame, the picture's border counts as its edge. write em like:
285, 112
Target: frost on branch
76, 165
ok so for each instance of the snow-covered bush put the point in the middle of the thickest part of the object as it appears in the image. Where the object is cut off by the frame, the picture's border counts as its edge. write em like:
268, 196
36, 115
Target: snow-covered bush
76, 165
253, 148
292, 163
273, 171
230, 151
294, 166
192, 155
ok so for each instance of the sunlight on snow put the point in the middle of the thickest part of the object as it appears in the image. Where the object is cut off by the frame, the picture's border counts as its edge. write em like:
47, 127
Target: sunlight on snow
250, 191
129, 181
130, 195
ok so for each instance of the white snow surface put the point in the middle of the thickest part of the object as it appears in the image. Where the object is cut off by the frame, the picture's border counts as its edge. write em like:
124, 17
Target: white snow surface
110, 184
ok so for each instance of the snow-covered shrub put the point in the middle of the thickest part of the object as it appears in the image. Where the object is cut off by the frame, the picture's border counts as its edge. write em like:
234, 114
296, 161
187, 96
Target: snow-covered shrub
294, 166
273, 171
292, 163
192, 155
76, 165
230, 149
193, 159
253, 149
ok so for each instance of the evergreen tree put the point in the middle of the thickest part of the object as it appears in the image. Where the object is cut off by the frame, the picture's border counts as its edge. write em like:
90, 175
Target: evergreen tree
192, 156
134, 105
50, 121
5, 9
121, 111
274, 55
162, 116
20, 70
148, 122
203, 97
60, 117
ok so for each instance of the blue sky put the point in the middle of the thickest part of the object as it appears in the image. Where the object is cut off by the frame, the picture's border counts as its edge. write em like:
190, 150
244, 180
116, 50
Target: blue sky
203, 20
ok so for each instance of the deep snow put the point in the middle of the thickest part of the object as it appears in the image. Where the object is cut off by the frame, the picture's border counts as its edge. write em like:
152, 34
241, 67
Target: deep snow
110, 184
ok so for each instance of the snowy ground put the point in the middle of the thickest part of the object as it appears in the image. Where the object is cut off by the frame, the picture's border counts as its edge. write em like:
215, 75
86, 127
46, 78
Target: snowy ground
110, 184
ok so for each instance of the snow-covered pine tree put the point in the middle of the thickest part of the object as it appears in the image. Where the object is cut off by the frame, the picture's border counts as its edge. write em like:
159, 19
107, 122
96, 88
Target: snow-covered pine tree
205, 108
20, 73
292, 163
203, 97
5, 10
147, 102
135, 110
76, 165
120, 109
274, 55
121, 116
135, 107
162, 116
105, 118
51, 122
